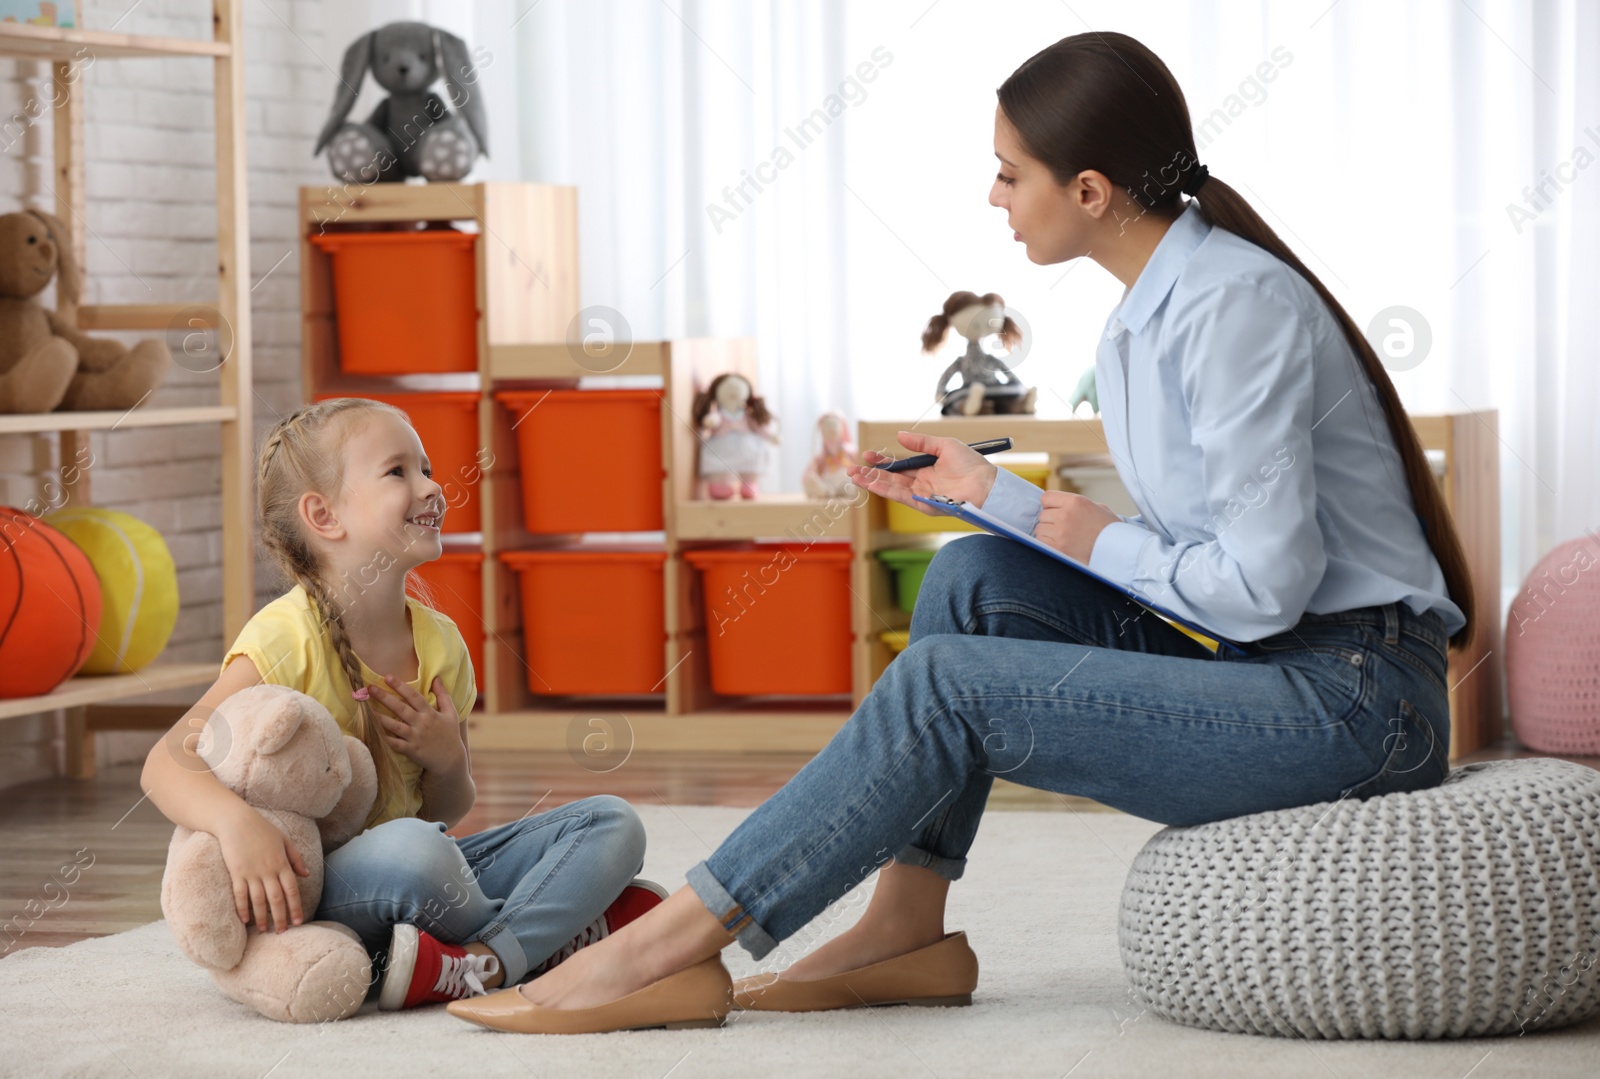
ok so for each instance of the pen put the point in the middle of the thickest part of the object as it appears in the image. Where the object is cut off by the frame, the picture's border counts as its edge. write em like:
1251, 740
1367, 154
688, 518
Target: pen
923, 460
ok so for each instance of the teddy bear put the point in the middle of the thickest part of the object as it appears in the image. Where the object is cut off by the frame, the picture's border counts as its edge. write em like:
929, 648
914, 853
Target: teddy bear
283, 753
45, 363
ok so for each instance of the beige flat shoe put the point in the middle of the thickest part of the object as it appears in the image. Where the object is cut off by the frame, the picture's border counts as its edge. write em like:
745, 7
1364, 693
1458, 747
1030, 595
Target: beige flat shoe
943, 974
697, 996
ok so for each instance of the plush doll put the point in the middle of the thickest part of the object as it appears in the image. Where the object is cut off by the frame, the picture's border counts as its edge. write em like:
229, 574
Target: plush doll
281, 751
411, 132
737, 434
45, 363
987, 384
826, 474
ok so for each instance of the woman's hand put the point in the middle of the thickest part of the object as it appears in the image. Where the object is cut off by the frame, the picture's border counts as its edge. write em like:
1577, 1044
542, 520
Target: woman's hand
1071, 523
427, 735
263, 864
961, 472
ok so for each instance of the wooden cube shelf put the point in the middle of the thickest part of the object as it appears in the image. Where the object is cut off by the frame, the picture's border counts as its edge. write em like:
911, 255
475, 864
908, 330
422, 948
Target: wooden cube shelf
526, 261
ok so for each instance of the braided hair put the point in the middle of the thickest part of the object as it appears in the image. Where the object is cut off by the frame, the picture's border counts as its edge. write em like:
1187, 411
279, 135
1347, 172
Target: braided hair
304, 453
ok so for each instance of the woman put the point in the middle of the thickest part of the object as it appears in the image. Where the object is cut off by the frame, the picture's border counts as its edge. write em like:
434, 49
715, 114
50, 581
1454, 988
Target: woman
1286, 504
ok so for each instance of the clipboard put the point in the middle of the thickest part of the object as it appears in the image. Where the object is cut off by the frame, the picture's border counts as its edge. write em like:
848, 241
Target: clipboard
989, 523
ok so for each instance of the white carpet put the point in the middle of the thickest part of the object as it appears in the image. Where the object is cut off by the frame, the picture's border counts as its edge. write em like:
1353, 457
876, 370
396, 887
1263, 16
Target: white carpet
1039, 903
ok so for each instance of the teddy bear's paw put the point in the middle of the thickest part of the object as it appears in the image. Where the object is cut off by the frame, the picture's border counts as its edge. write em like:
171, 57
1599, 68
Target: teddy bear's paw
40, 379
446, 155
354, 155
197, 901
312, 973
124, 385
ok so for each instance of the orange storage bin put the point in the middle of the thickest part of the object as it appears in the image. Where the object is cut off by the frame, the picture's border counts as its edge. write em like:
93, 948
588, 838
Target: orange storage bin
777, 617
593, 621
447, 423
590, 459
406, 302
456, 581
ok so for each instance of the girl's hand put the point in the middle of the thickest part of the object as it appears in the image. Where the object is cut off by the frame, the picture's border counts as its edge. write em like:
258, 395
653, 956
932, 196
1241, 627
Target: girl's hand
1071, 523
961, 472
263, 864
428, 735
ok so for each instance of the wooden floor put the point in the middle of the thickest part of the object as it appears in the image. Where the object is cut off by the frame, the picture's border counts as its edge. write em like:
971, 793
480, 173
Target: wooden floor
117, 839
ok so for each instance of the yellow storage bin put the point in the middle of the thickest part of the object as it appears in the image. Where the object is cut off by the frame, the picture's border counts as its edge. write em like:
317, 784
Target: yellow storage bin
905, 519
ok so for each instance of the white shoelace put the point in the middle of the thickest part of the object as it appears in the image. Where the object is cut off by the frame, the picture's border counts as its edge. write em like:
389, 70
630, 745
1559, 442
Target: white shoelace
461, 976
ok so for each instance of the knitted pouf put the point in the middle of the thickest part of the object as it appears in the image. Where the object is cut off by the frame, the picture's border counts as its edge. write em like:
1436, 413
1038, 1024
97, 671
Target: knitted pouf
1553, 652
1464, 910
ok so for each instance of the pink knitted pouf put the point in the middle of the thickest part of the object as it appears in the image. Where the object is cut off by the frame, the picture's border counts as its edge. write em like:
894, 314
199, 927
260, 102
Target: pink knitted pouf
1553, 652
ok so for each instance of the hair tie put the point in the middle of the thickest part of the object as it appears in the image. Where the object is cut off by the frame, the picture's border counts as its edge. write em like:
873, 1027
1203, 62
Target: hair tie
363, 693
1192, 188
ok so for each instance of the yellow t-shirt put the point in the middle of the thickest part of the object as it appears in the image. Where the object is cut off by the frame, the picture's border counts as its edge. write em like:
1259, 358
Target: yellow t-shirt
291, 647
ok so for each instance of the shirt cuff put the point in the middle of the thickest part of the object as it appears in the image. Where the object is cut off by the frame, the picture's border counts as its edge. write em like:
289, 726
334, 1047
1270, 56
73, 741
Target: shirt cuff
1116, 551
1014, 500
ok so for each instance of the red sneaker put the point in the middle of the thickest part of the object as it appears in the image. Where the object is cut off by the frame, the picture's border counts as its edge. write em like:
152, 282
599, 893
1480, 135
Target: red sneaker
639, 896
425, 970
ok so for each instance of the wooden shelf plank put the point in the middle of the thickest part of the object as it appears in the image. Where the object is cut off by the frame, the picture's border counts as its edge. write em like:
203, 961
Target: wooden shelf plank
92, 689
59, 43
360, 203
784, 515
147, 316
1029, 434
32, 422
557, 361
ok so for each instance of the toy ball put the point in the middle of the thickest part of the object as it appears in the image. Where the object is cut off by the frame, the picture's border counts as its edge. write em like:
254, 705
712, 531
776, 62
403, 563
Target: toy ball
138, 585
49, 605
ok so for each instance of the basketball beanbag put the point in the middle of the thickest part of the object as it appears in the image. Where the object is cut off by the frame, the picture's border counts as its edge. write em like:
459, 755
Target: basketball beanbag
138, 586
49, 605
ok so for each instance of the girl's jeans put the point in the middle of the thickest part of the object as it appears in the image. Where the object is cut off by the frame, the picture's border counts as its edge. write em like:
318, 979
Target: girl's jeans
525, 889
1022, 667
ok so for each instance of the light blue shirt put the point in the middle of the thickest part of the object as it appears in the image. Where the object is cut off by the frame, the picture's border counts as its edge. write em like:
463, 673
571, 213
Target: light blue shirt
1250, 437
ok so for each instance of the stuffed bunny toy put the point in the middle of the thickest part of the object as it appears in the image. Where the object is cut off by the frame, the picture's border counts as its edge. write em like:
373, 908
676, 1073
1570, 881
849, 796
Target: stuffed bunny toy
283, 753
45, 363
411, 132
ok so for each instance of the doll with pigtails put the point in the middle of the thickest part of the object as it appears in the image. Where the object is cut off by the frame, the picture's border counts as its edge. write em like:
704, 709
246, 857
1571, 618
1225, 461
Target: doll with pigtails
737, 434
987, 384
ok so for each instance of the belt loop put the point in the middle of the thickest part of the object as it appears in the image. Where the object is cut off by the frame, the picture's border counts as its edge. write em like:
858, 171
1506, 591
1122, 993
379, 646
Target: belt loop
1391, 622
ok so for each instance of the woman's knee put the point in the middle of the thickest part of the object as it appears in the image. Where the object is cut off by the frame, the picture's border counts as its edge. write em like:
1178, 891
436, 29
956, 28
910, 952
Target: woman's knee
949, 587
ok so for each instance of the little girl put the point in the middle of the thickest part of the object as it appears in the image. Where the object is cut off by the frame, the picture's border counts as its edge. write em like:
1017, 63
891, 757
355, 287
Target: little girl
348, 507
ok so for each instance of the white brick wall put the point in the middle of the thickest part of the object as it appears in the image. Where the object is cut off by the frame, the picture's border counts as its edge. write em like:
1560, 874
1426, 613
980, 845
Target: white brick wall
149, 181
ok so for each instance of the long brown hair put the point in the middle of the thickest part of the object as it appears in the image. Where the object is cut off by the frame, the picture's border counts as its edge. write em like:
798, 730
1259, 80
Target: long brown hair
1103, 101
304, 452
756, 406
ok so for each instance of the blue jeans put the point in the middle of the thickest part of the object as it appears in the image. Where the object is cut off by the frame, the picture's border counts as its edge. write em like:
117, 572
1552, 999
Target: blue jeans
1019, 666
525, 888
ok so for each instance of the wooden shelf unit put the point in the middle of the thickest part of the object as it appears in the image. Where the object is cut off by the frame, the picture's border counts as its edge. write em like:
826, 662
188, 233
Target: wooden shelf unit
535, 226
1470, 481
64, 48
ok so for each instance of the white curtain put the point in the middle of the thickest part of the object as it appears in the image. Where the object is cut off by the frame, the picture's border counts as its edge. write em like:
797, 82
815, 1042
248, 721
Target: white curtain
1397, 147
706, 205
